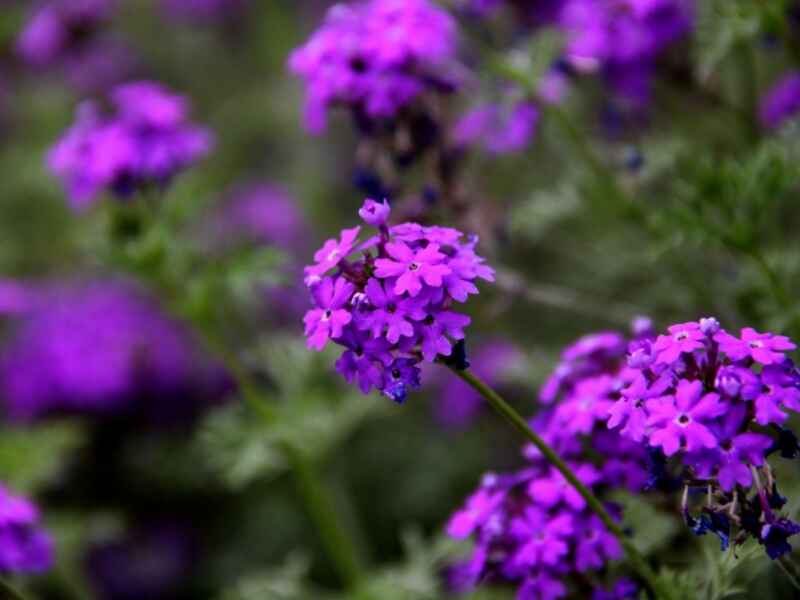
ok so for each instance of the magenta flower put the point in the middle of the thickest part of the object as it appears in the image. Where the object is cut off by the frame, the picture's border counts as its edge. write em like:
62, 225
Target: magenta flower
476, 513
543, 540
588, 403
328, 320
553, 489
412, 268
678, 421
389, 306
24, 546
683, 338
374, 213
596, 545
331, 253
764, 348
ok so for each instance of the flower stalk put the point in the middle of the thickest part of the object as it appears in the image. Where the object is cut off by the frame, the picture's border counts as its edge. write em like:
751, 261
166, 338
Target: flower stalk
10, 592
505, 410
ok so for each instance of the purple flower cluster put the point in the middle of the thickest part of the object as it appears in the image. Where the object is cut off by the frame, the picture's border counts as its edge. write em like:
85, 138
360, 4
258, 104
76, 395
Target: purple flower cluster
69, 34
622, 38
497, 129
781, 102
24, 546
715, 402
532, 527
391, 308
144, 141
104, 349
376, 57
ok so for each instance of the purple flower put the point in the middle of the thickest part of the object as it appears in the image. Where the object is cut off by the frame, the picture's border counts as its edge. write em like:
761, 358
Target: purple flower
553, 489
588, 403
775, 535
376, 56
764, 348
682, 339
373, 213
24, 546
498, 131
543, 540
480, 507
105, 349
329, 318
412, 268
146, 141
624, 589
389, 306
331, 253
58, 26
781, 102
678, 421
596, 545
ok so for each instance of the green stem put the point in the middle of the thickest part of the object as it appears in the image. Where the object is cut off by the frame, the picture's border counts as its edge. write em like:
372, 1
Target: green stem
10, 592
505, 410
320, 506
788, 572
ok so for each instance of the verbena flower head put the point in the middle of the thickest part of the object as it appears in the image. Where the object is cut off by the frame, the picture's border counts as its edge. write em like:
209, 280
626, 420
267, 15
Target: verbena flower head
104, 349
24, 546
144, 140
58, 27
390, 300
532, 527
781, 102
376, 57
621, 38
714, 403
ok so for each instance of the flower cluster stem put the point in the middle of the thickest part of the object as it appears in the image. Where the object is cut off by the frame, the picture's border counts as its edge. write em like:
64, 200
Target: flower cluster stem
636, 560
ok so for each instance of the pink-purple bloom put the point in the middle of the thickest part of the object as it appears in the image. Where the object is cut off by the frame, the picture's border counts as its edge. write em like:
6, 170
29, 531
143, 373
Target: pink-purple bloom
707, 399
388, 300
497, 129
146, 140
25, 548
376, 57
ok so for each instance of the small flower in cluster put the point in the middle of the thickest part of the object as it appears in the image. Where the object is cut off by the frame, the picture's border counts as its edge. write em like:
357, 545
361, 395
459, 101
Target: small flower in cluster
715, 404
25, 548
497, 129
532, 527
781, 102
376, 57
104, 349
69, 34
621, 39
145, 140
203, 11
390, 300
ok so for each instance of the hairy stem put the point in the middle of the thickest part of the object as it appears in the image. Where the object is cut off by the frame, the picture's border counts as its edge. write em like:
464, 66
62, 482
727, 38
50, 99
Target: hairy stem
636, 560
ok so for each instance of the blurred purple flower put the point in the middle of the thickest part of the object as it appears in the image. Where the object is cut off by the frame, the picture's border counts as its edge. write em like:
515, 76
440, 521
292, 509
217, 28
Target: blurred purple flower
105, 349
145, 141
498, 130
781, 102
375, 56
24, 546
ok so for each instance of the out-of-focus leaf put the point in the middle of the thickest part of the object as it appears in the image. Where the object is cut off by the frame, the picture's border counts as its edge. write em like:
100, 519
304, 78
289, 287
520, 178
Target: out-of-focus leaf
286, 582
31, 456
534, 218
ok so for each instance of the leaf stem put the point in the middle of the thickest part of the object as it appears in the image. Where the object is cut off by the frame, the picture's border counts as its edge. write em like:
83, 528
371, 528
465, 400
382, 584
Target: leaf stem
506, 411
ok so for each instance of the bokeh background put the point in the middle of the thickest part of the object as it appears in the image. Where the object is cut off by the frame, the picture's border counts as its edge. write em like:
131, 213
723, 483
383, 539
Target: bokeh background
167, 503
